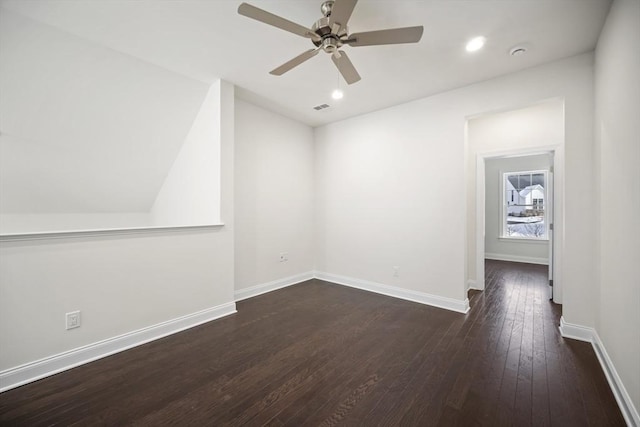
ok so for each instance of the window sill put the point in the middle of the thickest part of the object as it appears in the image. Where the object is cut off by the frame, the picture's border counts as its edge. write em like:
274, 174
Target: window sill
543, 241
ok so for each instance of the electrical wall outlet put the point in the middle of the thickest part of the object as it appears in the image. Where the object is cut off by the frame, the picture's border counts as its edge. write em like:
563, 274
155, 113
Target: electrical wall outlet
396, 271
284, 256
72, 320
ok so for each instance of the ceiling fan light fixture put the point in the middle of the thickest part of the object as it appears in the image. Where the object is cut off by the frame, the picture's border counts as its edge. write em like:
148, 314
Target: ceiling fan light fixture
475, 44
337, 94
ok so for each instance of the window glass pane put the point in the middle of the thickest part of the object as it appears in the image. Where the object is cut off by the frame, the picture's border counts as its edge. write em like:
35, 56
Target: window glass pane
525, 204
538, 179
525, 181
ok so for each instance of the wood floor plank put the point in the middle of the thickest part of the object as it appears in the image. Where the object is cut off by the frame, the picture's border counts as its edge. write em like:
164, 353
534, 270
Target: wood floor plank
400, 351
323, 354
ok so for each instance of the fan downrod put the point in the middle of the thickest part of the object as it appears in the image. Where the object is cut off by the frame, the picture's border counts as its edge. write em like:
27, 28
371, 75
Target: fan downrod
327, 7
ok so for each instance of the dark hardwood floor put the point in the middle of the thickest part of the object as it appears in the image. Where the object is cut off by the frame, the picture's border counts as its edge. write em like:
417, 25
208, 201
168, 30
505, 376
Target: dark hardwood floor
322, 354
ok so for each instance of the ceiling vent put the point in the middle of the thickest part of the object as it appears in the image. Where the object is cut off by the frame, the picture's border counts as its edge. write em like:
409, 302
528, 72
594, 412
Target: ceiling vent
321, 107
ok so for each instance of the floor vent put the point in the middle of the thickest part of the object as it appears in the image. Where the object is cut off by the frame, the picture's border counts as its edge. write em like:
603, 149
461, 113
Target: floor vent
321, 107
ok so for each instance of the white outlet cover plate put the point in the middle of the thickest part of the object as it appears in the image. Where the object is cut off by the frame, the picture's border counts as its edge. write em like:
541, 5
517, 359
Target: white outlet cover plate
72, 320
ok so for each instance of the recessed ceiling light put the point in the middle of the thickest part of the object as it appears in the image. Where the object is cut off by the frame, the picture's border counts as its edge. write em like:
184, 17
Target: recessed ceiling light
337, 94
516, 51
475, 44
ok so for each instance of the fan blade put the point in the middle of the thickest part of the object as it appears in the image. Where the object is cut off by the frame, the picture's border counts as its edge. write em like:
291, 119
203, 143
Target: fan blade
345, 67
391, 36
294, 62
341, 12
258, 14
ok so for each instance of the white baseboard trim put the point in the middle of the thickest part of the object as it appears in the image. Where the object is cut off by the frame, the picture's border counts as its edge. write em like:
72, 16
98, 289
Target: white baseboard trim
583, 333
629, 411
460, 306
516, 258
472, 285
29, 372
263, 288
576, 332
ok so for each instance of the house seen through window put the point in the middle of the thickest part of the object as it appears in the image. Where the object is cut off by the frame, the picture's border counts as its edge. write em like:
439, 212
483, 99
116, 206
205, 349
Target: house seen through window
524, 206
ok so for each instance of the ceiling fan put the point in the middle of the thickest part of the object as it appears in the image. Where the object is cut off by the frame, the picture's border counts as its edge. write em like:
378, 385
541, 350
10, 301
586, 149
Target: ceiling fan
330, 33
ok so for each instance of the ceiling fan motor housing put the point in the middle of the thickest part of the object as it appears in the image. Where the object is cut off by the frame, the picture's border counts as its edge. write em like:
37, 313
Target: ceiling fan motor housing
328, 40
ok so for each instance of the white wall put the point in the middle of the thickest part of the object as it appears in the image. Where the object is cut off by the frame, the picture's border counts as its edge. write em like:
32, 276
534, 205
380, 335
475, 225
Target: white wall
617, 130
387, 196
190, 193
274, 179
391, 185
86, 132
121, 283
536, 251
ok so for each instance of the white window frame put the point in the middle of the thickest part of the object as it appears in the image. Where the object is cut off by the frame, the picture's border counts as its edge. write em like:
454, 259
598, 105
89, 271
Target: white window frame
503, 200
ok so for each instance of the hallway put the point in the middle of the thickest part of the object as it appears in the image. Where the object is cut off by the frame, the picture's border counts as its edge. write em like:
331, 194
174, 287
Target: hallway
526, 366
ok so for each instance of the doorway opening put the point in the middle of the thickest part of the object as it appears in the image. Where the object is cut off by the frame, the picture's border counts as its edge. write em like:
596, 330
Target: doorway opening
519, 231
526, 198
518, 202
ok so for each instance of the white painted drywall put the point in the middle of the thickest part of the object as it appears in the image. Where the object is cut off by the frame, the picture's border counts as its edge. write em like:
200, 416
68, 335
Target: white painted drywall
274, 181
87, 132
391, 185
121, 283
534, 250
617, 130
388, 195
190, 193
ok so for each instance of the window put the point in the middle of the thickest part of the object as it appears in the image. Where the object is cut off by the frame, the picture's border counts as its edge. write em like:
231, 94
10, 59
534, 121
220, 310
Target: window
524, 210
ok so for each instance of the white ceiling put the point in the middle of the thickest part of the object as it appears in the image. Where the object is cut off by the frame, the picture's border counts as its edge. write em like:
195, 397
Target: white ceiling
206, 40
